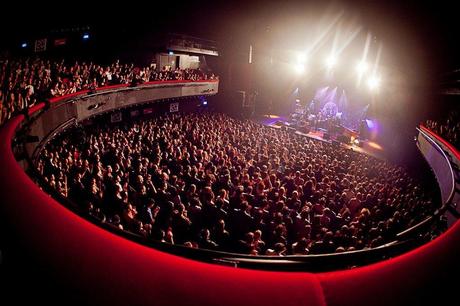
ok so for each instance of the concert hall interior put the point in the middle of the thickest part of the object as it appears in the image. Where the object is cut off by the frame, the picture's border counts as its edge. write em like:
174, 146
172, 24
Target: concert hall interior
230, 153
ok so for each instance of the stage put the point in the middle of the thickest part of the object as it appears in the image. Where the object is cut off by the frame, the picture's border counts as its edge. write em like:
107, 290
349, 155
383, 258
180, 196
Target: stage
365, 146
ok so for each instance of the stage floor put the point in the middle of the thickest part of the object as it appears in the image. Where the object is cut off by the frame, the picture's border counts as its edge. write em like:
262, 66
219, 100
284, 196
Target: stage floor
368, 147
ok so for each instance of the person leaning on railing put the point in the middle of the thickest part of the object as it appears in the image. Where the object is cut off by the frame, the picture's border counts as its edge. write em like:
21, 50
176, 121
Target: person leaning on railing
25, 81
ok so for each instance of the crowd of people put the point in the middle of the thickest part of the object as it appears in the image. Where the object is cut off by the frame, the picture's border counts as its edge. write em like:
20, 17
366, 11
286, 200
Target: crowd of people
449, 128
24, 82
207, 180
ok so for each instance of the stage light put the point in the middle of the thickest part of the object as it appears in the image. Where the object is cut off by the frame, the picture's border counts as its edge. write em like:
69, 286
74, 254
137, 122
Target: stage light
299, 68
373, 83
86, 36
24, 45
331, 61
361, 67
301, 58
370, 124
171, 53
203, 101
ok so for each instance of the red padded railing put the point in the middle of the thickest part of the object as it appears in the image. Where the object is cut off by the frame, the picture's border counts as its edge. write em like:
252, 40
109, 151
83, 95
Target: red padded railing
451, 148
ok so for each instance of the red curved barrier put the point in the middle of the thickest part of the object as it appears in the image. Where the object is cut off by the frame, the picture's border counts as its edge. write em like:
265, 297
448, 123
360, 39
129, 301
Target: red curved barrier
65, 239
106, 268
442, 140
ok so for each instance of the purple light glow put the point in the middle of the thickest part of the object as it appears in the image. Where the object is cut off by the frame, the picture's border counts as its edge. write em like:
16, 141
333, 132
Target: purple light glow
370, 124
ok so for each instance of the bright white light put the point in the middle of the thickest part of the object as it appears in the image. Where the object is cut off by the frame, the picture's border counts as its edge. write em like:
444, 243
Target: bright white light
331, 61
301, 58
85, 36
361, 67
24, 45
299, 68
373, 83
